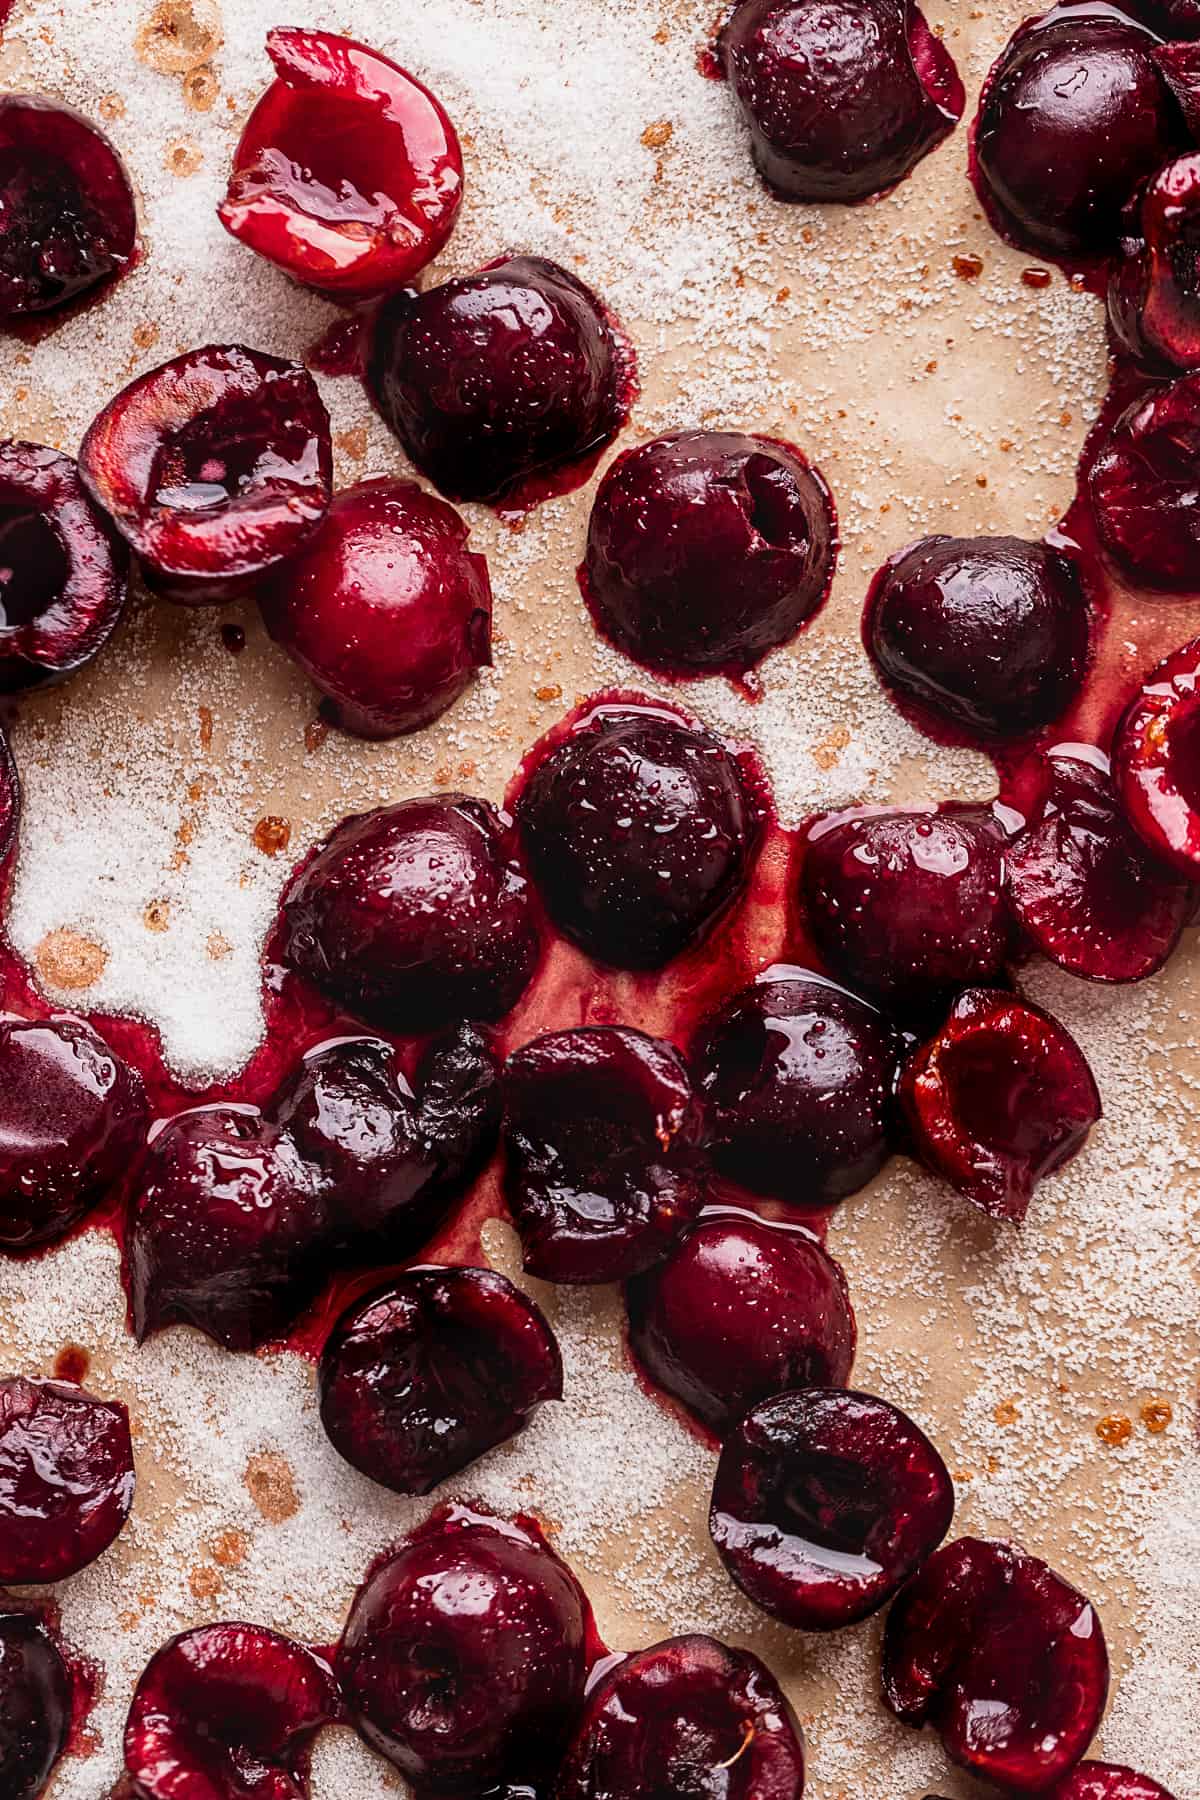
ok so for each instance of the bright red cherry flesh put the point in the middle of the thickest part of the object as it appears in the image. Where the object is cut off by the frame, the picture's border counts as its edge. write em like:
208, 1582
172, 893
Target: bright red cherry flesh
66, 1478
1156, 761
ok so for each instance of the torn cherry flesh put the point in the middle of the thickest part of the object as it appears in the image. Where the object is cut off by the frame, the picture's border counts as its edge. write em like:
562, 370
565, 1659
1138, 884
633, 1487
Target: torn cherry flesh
37, 1700
740, 1310
66, 1478
1003, 1658
825, 1501
1107, 1781
689, 1716
431, 1371
1002, 1096
214, 467
348, 174
1143, 491
1154, 287
842, 100
67, 217
707, 549
1156, 761
464, 1655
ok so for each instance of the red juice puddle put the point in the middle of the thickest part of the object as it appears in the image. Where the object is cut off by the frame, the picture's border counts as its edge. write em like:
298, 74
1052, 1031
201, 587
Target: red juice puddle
72, 1364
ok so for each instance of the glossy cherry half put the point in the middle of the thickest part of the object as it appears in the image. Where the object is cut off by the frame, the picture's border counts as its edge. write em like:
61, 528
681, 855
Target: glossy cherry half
1156, 761
1154, 287
66, 1478
36, 1703
1107, 1781
1143, 492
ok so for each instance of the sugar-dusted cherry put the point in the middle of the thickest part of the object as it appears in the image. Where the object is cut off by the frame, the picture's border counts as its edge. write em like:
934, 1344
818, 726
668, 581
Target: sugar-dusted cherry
707, 549
66, 1478
1107, 1781
842, 100
740, 1310
1154, 286
386, 608
1143, 493
348, 174
1156, 761
37, 1700
602, 1133
825, 1501
689, 1716
214, 467
431, 1371
1003, 1658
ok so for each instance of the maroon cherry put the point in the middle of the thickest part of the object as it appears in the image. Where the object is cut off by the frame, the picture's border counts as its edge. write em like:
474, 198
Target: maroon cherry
843, 99
214, 467
1143, 491
1003, 1658
1105, 1781
798, 1078
741, 1310
464, 1656
1000, 1097
689, 1716
492, 378
71, 1115
988, 635
66, 1478
227, 1712
36, 1703
67, 219
431, 1371
707, 549
1156, 761
385, 609
602, 1131
825, 1501
1154, 289
639, 831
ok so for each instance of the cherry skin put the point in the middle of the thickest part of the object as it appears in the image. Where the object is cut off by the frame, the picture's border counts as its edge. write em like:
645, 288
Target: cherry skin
841, 100
66, 1478
348, 175
1154, 288
431, 1371
1156, 761
741, 1310
1143, 494
707, 549
825, 1501
689, 1716
36, 1704
1107, 1781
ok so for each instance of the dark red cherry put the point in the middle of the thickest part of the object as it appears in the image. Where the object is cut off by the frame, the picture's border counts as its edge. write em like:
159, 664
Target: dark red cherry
908, 905
36, 1704
1105, 1781
707, 549
1154, 288
431, 1371
1003, 1658
494, 377
1156, 761
71, 1116
1143, 490
843, 99
464, 1656
414, 916
825, 1501
1073, 116
798, 1078
214, 467
1000, 1097
348, 174
66, 1478
741, 1310
67, 219
639, 831
1082, 885
385, 609
989, 635
689, 1716
227, 1712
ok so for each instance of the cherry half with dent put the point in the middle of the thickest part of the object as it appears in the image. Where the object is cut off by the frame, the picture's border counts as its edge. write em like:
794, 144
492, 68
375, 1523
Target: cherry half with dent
825, 1502
37, 1702
1107, 1781
66, 1478
348, 174
1156, 761
1154, 286
1143, 491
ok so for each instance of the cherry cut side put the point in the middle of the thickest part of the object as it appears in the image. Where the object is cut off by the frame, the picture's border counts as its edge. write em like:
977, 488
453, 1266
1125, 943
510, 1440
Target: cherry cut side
37, 1701
1154, 286
1143, 491
1156, 761
1107, 1781
348, 174
66, 1478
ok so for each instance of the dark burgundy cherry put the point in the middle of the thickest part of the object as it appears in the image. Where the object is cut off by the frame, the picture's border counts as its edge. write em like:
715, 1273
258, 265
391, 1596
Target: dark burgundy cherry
1143, 490
689, 1716
842, 99
799, 1079
227, 1712
825, 1501
707, 549
908, 905
1106, 1781
414, 916
989, 635
739, 1311
1003, 1658
431, 1371
493, 377
386, 609
602, 1132
1082, 885
67, 219
214, 467
71, 1115
1073, 116
1154, 289
1156, 761
639, 831
66, 1478
464, 1656
36, 1704
348, 174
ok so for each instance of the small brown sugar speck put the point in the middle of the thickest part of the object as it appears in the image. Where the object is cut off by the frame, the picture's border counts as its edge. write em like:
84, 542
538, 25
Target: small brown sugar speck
157, 916
182, 157
205, 1582
230, 1549
353, 443
315, 733
218, 947
206, 727
1006, 1413
551, 691
200, 89
67, 959
272, 834
1036, 278
828, 752
177, 36
111, 106
967, 268
1114, 1430
1157, 1415
272, 1487
655, 136
145, 335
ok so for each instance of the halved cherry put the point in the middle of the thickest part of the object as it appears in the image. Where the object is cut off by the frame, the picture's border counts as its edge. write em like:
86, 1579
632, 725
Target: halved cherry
36, 1703
66, 1478
1156, 760
1107, 1781
1154, 290
1143, 490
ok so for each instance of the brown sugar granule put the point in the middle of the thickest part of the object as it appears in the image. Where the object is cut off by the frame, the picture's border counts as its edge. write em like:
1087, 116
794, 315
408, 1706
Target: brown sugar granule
177, 36
111, 107
1006, 1413
218, 947
1157, 1415
657, 135
205, 1582
206, 726
353, 443
200, 89
182, 157
157, 916
551, 692
967, 268
145, 335
315, 733
272, 1487
1036, 278
230, 1549
827, 753
67, 959
1114, 1430
272, 834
